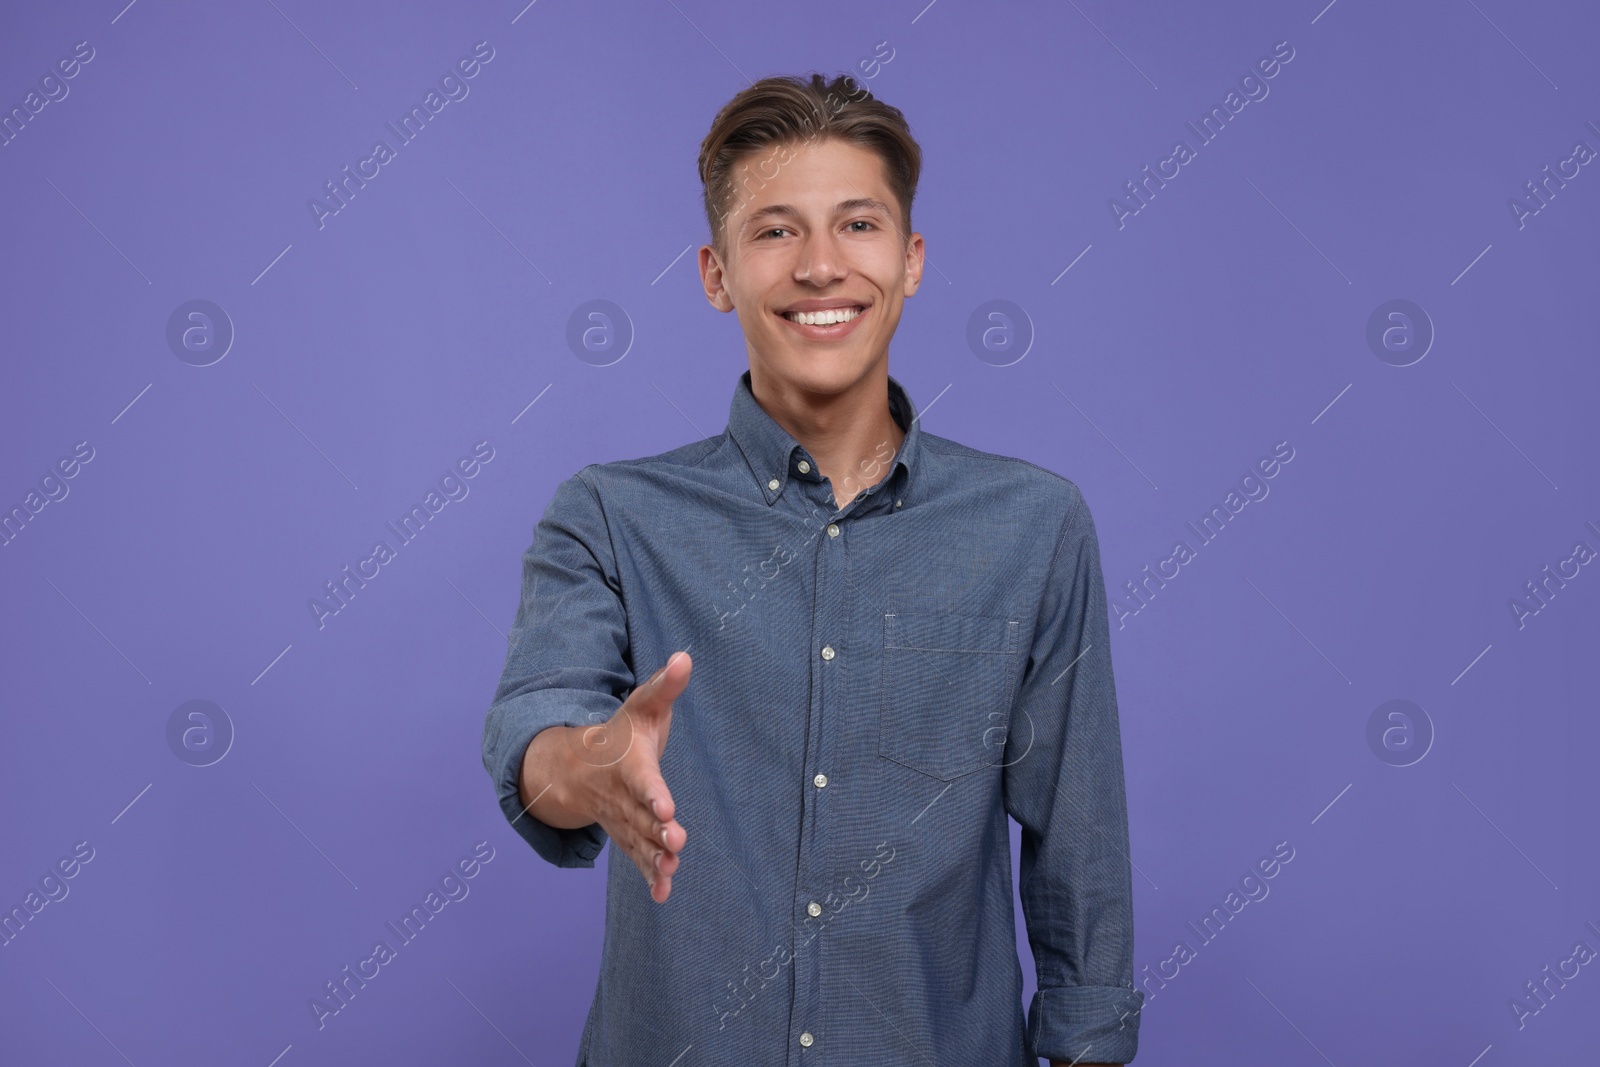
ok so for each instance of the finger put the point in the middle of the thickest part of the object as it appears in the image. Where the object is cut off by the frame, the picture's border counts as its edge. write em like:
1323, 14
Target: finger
659, 865
656, 799
649, 793
642, 794
659, 879
636, 805
667, 864
656, 695
659, 860
652, 835
651, 860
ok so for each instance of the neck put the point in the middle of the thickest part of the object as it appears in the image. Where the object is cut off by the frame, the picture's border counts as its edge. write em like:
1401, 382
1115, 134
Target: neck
851, 435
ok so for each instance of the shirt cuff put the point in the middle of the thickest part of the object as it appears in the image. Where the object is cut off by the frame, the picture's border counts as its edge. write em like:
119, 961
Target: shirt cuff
1085, 1024
514, 726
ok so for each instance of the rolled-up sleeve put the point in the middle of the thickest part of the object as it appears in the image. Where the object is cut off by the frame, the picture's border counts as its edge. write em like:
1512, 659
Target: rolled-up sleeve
1064, 785
567, 658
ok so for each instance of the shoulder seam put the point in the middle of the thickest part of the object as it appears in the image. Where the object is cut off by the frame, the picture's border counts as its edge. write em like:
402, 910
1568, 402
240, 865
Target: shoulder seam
992, 457
722, 441
1055, 552
1061, 534
600, 506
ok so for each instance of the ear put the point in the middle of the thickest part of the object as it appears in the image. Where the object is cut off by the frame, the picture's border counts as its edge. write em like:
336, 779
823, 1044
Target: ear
712, 278
915, 255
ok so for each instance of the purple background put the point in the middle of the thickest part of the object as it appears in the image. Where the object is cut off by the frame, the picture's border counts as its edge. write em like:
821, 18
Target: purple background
370, 354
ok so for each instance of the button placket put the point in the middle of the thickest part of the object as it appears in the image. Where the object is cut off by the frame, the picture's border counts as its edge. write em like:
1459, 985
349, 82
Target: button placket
815, 865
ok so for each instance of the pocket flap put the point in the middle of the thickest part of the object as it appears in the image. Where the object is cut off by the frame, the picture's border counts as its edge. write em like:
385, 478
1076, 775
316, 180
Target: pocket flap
942, 632
947, 686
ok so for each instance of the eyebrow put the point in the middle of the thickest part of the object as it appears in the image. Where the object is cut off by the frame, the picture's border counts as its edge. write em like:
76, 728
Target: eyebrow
862, 203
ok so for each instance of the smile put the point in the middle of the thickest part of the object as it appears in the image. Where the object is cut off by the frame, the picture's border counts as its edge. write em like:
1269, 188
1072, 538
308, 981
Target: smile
830, 324
823, 318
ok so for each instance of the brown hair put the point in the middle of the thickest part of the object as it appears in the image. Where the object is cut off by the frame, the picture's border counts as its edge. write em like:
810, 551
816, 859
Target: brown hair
787, 110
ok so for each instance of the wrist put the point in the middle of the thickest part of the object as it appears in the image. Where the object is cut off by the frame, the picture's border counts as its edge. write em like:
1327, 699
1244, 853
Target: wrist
547, 780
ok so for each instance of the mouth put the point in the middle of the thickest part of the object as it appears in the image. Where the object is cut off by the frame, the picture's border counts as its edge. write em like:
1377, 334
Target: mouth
829, 324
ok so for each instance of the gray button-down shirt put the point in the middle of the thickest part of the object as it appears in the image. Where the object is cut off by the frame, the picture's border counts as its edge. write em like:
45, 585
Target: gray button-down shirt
875, 688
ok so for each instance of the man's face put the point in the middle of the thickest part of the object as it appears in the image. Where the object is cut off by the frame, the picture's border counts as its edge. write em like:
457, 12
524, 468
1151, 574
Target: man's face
823, 232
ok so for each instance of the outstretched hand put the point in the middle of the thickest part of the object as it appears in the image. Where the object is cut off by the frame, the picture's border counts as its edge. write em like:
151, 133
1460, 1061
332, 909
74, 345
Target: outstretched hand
616, 776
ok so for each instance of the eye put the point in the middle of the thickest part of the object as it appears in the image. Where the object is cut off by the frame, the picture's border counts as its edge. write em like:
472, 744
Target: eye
765, 233
863, 222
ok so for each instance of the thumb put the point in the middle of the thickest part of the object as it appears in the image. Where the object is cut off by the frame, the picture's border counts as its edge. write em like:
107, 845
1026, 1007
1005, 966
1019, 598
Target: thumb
655, 697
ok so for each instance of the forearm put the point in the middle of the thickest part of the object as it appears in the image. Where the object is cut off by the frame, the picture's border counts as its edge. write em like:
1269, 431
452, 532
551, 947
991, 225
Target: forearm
546, 783
1070, 798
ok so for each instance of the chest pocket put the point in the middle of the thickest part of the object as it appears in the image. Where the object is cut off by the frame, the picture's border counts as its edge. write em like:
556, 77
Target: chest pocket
947, 687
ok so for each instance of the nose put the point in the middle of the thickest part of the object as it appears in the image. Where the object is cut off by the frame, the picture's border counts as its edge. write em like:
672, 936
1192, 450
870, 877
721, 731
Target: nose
819, 262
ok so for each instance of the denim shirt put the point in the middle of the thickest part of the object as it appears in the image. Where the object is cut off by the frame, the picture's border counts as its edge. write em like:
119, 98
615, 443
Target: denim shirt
875, 689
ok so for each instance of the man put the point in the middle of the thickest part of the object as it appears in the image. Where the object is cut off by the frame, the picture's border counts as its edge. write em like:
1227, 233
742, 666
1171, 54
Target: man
895, 641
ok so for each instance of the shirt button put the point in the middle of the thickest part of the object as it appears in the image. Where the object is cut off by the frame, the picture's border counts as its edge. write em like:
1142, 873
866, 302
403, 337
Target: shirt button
897, 503
805, 1039
820, 780
773, 484
805, 468
827, 651
813, 909
833, 529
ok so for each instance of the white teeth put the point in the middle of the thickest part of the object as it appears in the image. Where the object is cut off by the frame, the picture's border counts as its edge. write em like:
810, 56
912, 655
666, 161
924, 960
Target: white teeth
822, 318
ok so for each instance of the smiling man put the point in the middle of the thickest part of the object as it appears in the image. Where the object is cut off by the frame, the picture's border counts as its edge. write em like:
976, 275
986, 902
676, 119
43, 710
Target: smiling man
897, 642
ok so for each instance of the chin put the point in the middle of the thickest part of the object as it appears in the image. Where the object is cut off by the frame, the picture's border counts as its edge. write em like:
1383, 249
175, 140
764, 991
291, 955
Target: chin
820, 371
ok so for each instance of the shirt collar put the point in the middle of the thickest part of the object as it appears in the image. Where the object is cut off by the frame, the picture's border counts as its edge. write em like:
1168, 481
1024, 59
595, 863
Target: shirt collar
774, 455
